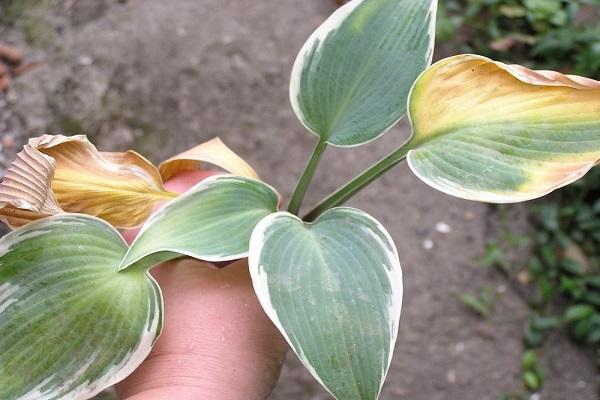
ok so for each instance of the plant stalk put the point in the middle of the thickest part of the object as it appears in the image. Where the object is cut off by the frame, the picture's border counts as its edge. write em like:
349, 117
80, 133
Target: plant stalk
307, 175
350, 189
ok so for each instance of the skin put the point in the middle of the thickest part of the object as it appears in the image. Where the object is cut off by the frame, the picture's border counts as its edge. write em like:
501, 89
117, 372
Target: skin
217, 343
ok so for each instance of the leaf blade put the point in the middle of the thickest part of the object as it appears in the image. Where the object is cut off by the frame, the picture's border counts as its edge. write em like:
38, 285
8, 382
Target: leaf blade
70, 324
223, 210
57, 174
54, 174
491, 132
346, 84
334, 290
214, 152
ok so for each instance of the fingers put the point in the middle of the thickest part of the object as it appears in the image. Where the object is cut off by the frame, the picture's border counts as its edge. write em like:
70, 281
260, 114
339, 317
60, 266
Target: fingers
215, 333
183, 181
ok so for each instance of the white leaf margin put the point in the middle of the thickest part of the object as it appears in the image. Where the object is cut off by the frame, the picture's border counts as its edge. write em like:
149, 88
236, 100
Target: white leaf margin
131, 361
261, 287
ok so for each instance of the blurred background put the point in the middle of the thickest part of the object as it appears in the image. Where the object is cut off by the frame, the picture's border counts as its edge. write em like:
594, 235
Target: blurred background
500, 302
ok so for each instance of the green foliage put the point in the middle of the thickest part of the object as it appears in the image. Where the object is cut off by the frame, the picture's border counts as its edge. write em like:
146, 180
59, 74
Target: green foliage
21, 13
225, 208
62, 295
481, 304
531, 372
494, 256
335, 294
563, 270
333, 287
547, 34
11, 11
544, 34
537, 327
349, 95
566, 261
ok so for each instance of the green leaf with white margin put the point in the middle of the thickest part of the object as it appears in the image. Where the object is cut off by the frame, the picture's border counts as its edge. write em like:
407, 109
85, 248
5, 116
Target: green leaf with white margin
334, 289
487, 131
351, 80
70, 323
212, 221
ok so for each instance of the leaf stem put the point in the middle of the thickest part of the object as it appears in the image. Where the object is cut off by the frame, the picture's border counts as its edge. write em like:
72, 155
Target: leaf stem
350, 189
307, 175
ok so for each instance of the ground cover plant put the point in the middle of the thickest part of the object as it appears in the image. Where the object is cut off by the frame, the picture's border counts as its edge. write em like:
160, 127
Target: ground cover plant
545, 34
78, 309
557, 280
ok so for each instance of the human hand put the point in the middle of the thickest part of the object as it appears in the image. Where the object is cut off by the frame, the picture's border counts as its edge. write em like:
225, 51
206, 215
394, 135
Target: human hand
217, 343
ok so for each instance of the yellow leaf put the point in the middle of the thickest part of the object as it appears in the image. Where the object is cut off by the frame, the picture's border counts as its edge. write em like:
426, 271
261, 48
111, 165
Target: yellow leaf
55, 174
25, 193
214, 152
487, 131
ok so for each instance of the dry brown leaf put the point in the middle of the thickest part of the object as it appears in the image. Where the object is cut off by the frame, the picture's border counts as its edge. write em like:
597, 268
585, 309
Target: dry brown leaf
55, 174
213, 152
10, 54
25, 68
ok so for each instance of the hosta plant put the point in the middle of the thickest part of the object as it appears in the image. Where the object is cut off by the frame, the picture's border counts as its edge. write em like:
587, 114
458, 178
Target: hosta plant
78, 308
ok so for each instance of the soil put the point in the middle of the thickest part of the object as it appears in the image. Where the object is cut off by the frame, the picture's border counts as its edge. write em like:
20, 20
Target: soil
160, 77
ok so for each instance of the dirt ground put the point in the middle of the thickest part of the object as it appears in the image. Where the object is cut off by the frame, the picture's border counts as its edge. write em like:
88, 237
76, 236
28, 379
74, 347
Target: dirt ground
162, 76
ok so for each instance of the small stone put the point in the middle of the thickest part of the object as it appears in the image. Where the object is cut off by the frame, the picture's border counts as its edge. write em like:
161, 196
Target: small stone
469, 215
443, 227
399, 391
523, 278
428, 244
485, 331
85, 60
11, 96
8, 142
451, 376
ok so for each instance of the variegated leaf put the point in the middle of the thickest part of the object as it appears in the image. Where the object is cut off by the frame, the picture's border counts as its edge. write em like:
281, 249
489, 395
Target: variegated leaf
70, 323
334, 290
351, 79
212, 221
488, 131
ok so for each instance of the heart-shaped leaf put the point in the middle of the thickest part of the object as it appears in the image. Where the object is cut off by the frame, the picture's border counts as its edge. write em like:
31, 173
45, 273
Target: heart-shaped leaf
213, 221
70, 323
501, 133
351, 79
334, 289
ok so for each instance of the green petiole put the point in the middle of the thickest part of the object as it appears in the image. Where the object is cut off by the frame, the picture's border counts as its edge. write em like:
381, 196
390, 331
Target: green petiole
350, 189
307, 175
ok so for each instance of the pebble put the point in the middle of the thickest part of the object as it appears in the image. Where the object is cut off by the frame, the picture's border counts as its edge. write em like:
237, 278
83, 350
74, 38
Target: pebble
523, 278
428, 244
485, 330
85, 60
443, 227
8, 142
451, 376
